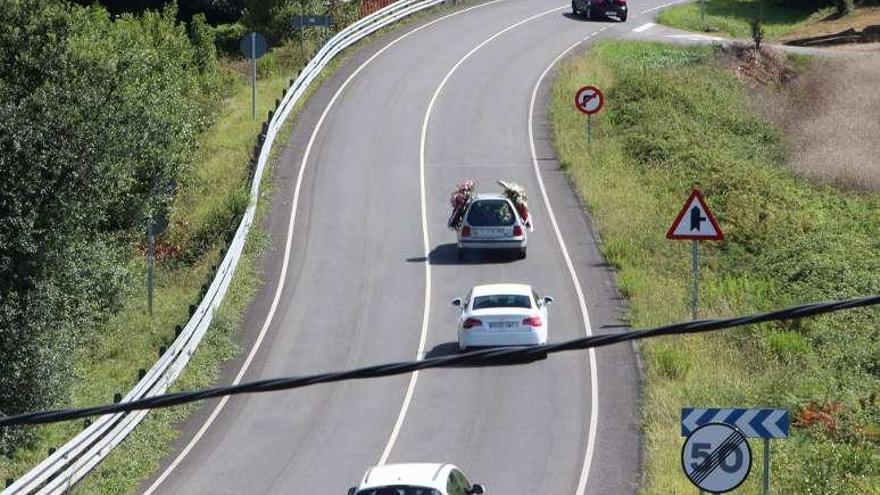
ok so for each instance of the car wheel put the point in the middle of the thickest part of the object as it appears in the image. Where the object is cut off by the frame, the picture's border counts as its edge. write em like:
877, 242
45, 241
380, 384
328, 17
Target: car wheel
462, 348
522, 253
460, 253
574, 9
623, 18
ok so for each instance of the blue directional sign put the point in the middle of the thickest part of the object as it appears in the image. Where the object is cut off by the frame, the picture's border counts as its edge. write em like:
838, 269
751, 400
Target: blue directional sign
301, 21
754, 423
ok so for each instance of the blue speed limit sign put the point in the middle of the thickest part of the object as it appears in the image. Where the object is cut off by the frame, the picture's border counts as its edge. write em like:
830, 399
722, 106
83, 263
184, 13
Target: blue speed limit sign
716, 457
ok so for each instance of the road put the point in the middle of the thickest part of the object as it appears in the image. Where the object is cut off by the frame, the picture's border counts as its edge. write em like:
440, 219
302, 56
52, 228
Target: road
360, 203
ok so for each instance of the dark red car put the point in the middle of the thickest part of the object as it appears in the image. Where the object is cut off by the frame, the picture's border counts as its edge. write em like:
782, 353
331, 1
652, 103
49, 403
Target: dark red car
600, 8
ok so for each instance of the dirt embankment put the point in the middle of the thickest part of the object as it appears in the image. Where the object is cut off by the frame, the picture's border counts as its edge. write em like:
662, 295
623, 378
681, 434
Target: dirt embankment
833, 119
831, 113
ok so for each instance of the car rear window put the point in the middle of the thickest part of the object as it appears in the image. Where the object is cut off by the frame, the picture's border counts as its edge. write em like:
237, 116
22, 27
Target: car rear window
491, 212
502, 301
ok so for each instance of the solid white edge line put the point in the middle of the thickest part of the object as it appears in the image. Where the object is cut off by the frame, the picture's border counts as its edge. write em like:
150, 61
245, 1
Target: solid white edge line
594, 382
422, 145
283, 274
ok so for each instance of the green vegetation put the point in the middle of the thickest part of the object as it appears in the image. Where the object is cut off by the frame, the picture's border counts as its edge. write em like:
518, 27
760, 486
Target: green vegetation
674, 119
734, 17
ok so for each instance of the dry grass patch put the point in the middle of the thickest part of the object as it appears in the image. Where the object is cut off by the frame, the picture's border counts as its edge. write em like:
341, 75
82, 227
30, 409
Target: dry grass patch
833, 120
864, 17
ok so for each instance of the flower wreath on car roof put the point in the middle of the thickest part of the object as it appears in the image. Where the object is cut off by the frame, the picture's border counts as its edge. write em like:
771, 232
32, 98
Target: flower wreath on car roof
464, 194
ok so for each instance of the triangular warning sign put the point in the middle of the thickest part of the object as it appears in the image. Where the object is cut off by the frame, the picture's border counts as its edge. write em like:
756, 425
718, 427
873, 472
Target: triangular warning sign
695, 221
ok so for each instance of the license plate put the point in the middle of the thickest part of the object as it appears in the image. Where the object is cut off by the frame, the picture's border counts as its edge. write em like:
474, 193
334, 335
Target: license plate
490, 232
611, 12
503, 324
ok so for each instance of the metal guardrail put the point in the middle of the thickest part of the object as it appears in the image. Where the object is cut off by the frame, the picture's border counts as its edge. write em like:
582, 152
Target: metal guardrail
71, 462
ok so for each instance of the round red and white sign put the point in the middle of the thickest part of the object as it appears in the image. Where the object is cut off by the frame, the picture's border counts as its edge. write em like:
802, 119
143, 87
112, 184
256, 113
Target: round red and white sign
589, 100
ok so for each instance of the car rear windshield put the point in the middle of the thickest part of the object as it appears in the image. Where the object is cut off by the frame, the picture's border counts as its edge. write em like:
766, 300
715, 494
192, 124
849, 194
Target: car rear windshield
491, 212
399, 490
502, 301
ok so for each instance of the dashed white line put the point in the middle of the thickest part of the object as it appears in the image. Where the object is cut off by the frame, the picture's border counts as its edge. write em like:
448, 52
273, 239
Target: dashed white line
644, 27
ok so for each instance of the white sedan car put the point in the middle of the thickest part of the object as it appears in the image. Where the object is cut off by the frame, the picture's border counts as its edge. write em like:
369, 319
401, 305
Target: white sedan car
415, 479
502, 314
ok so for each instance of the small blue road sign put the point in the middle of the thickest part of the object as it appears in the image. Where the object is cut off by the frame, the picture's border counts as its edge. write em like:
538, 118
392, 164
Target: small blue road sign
753, 423
253, 45
301, 21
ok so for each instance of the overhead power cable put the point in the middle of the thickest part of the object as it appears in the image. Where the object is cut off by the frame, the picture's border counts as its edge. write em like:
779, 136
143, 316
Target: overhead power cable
485, 357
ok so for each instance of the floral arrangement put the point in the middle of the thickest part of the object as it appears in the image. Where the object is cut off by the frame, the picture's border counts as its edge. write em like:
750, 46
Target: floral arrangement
459, 201
517, 195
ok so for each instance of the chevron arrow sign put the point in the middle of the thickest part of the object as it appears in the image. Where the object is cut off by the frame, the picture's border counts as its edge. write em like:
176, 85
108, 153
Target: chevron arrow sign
753, 423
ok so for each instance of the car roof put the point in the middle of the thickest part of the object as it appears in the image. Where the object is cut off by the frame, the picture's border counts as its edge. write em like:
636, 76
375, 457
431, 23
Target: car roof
488, 289
431, 475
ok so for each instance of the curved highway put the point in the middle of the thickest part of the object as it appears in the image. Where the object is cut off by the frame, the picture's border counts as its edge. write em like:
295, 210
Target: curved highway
362, 270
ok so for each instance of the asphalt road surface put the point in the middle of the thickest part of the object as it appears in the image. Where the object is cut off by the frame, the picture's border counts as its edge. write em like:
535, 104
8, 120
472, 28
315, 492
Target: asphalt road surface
368, 171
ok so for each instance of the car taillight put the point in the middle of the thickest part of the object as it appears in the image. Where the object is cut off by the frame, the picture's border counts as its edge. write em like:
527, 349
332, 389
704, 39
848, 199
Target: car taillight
471, 323
532, 321
517, 231
466, 231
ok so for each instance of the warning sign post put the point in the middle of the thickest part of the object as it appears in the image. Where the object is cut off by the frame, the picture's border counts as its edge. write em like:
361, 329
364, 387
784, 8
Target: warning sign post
695, 222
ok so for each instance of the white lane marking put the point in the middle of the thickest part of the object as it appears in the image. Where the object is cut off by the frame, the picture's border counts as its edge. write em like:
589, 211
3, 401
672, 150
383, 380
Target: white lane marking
594, 382
283, 274
694, 37
644, 27
422, 144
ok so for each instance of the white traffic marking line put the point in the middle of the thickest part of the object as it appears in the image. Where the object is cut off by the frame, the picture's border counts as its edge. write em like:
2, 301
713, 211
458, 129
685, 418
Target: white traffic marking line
422, 145
594, 381
644, 27
283, 274
694, 37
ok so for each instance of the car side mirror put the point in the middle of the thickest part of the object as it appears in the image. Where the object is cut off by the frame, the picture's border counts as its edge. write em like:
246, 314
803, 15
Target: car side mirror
477, 489
548, 300
456, 302
352, 490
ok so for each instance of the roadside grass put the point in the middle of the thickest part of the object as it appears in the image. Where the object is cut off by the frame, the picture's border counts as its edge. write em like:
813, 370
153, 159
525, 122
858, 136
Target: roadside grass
675, 118
733, 17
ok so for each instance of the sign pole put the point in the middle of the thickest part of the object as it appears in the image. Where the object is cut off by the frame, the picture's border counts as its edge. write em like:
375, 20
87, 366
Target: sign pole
254, 76
151, 255
589, 130
766, 490
695, 274
703, 11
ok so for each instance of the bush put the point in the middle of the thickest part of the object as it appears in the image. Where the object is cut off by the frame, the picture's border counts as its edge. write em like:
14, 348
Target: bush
227, 37
844, 7
98, 120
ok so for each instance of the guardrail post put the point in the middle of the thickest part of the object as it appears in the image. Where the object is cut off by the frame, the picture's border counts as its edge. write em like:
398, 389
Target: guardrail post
278, 102
192, 309
141, 374
162, 350
86, 423
52, 450
9, 482
177, 330
117, 398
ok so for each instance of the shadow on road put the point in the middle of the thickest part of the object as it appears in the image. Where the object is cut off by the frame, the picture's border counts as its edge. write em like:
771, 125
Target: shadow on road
451, 349
447, 254
582, 18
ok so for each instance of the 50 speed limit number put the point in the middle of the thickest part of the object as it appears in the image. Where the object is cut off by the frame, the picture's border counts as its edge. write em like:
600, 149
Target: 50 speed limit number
716, 458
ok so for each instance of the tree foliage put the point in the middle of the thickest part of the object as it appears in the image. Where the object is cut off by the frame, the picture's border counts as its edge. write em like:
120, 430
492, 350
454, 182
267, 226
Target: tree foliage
98, 120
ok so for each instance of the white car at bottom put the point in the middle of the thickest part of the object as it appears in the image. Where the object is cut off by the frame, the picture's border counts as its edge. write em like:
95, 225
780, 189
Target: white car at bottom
415, 479
502, 315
